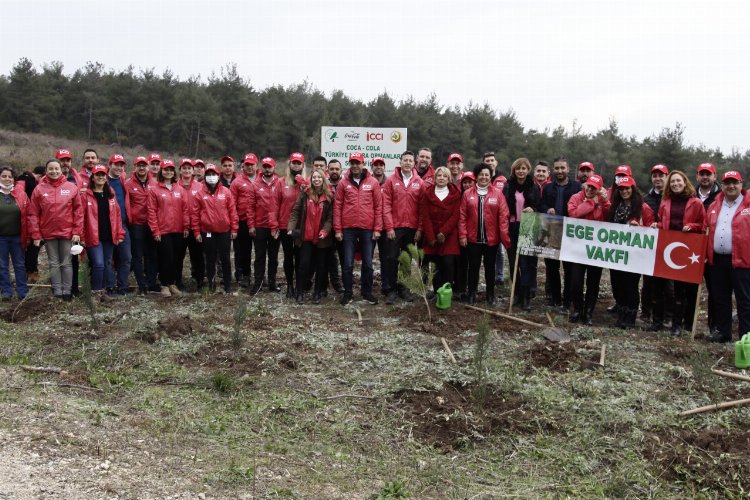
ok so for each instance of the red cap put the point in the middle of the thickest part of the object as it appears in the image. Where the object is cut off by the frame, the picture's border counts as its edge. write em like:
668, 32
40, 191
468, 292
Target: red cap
624, 170
455, 156
595, 181
98, 168
707, 166
626, 182
268, 161
357, 157
378, 159
297, 157
586, 165
468, 175
116, 158
140, 159
167, 164
226, 157
197, 162
660, 168
250, 158
186, 161
211, 168
63, 153
732, 174
154, 157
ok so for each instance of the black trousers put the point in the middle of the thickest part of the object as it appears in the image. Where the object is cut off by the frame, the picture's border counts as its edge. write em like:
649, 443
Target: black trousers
557, 290
168, 249
243, 249
477, 252
291, 257
197, 264
683, 306
626, 286
312, 259
526, 264
266, 246
335, 262
462, 271
394, 247
144, 262
445, 270
32, 258
217, 246
725, 280
591, 275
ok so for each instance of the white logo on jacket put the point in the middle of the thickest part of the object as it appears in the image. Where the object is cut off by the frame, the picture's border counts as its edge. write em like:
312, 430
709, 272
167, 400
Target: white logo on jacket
366, 187
492, 201
745, 211
64, 192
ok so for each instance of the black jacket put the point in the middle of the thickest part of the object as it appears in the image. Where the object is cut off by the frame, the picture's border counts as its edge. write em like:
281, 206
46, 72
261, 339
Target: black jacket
549, 196
653, 200
530, 195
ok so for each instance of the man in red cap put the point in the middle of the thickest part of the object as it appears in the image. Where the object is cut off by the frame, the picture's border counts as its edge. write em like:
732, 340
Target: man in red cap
335, 258
706, 190
456, 167
143, 248
199, 168
192, 246
585, 170
378, 172
154, 164
728, 221
122, 252
262, 219
358, 219
227, 171
243, 191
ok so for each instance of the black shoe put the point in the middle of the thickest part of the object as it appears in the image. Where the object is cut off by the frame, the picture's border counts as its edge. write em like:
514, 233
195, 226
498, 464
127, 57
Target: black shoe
370, 298
316, 298
574, 317
656, 326
613, 308
463, 298
67, 297
256, 288
300, 298
471, 298
346, 298
405, 295
588, 317
491, 301
719, 338
338, 287
563, 310
676, 331
391, 298
290, 292
273, 287
142, 290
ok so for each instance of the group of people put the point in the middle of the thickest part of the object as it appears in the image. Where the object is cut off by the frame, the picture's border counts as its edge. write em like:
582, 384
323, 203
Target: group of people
325, 219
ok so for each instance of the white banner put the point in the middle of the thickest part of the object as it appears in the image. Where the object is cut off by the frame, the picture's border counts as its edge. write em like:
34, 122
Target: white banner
339, 142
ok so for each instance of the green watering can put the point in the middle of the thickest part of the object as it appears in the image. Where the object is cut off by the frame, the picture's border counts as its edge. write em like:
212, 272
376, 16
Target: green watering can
742, 352
445, 294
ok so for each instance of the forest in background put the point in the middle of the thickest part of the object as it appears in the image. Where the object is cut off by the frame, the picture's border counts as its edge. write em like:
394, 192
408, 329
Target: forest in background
227, 115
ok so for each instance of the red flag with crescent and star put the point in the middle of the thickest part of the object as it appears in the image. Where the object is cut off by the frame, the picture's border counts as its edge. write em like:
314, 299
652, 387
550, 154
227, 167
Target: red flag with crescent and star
680, 256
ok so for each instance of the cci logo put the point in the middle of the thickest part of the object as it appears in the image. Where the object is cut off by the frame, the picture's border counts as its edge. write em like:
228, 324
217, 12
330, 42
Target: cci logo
374, 136
396, 136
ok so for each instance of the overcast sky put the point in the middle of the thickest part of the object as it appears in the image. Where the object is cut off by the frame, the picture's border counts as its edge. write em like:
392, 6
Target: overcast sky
646, 63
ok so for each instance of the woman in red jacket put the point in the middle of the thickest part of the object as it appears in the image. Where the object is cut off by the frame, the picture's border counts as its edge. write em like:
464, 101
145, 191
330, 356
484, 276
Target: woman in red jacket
592, 203
169, 220
680, 210
14, 205
214, 222
56, 216
288, 190
482, 226
439, 209
310, 225
102, 229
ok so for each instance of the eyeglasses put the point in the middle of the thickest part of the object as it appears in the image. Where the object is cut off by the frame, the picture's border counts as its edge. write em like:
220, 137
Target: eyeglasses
705, 173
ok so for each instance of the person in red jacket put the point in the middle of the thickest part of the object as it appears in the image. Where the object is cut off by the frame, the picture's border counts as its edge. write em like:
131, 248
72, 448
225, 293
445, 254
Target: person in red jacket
14, 230
192, 246
627, 207
680, 210
287, 192
102, 229
262, 217
462, 265
591, 203
482, 226
143, 246
358, 219
242, 191
728, 221
65, 159
401, 193
56, 216
310, 225
169, 221
214, 223
439, 207
423, 165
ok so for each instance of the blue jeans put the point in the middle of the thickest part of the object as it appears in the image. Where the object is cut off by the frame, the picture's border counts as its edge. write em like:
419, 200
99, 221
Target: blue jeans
102, 273
364, 237
122, 262
10, 249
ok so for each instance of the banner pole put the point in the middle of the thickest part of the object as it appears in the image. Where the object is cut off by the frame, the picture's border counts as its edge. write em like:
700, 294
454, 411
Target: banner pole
515, 274
695, 313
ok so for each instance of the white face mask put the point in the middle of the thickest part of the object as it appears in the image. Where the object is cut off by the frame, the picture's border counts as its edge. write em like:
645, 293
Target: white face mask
212, 179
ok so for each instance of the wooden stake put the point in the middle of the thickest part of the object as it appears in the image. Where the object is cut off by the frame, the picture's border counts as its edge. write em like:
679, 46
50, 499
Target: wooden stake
720, 406
601, 356
506, 316
731, 375
549, 318
513, 284
448, 350
695, 313
43, 369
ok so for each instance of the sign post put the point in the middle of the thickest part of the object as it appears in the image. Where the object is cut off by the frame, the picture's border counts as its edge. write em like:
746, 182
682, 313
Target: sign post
339, 142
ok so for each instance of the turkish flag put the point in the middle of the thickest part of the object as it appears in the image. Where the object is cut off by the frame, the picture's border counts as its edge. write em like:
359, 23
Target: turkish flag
680, 256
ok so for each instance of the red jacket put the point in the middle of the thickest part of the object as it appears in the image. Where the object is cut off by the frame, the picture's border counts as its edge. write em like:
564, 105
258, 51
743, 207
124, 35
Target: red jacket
358, 205
694, 216
429, 175
23, 203
581, 207
168, 211
400, 204
496, 227
285, 198
214, 213
499, 182
55, 211
740, 230
138, 195
91, 219
242, 190
440, 217
261, 209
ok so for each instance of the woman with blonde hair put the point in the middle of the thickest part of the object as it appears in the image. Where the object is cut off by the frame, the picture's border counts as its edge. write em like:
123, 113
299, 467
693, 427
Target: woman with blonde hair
288, 189
309, 226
